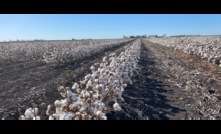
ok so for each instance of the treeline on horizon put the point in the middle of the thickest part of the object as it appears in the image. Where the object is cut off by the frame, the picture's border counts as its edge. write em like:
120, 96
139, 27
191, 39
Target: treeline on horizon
157, 36
125, 37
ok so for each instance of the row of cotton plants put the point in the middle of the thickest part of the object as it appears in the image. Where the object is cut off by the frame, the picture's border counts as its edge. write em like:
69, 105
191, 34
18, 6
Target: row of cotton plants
89, 98
206, 47
53, 51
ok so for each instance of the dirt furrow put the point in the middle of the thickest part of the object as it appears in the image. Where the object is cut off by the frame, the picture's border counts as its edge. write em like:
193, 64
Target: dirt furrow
168, 88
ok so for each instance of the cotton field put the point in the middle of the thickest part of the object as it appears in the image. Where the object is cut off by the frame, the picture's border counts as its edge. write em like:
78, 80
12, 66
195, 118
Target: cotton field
52, 51
106, 82
206, 47
171, 78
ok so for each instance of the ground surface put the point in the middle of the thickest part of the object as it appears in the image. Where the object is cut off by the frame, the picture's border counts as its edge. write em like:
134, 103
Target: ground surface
165, 89
162, 90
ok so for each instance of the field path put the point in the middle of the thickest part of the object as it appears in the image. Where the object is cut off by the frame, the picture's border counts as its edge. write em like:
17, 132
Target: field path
168, 87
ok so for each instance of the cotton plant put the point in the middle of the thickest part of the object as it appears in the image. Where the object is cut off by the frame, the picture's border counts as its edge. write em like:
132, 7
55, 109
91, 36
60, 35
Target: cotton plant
88, 98
31, 113
54, 51
206, 47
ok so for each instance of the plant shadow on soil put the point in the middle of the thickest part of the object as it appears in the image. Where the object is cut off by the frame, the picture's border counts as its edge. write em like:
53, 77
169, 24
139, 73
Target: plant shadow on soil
147, 96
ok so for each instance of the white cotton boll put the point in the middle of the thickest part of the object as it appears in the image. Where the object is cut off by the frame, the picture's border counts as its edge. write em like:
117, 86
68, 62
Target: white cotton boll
69, 116
87, 77
75, 86
104, 59
49, 111
92, 68
61, 89
89, 84
57, 103
51, 118
78, 90
96, 64
104, 117
58, 110
37, 118
101, 86
29, 113
95, 96
89, 117
116, 107
91, 92
98, 113
105, 92
102, 106
74, 105
64, 101
87, 94
63, 94
124, 85
22, 117
62, 116
35, 110
71, 95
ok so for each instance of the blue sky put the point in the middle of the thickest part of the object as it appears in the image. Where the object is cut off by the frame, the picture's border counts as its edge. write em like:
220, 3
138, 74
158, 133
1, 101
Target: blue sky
94, 26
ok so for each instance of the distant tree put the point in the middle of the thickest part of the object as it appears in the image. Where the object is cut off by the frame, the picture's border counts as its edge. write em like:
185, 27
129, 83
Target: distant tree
125, 37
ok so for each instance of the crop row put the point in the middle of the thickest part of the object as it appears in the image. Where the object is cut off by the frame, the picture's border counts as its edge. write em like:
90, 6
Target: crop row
206, 47
53, 51
89, 98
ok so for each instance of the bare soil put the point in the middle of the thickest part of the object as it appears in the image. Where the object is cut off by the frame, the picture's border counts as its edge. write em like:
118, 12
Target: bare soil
163, 91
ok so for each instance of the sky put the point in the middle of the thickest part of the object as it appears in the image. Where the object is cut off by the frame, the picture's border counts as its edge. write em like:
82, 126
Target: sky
104, 26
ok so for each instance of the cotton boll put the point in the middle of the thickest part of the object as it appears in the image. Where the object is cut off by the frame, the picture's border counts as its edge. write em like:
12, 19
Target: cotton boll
64, 108
75, 86
29, 113
35, 111
89, 117
71, 96
69, 116
102, 106
96, 96
89, 84
74, 107
83, 116
49, 110
124, 85
37, 118
78, 90
101, 87
61, 89
104, 59
58, 110
63, 94
92, 68
22, 117
64, 101
104, 117
51, 118
96, 81
87, 77
105, 92
116, 107
57, 103
62, 116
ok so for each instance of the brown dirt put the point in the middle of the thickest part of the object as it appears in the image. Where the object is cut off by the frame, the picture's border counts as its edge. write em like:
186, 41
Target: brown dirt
159, 91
